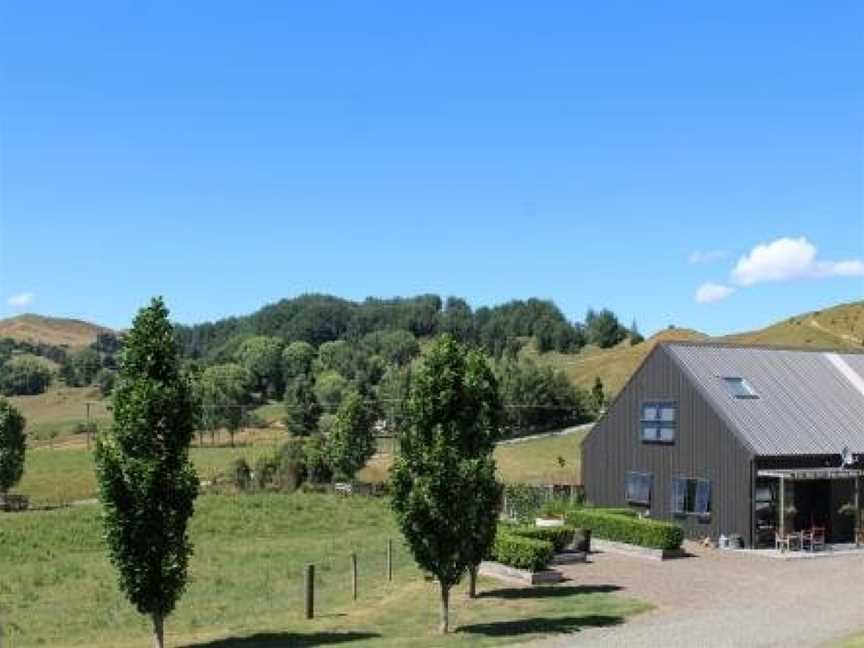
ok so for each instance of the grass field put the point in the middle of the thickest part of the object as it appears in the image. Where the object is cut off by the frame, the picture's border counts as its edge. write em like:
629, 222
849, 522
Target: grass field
63, 475
60, 410
58, 588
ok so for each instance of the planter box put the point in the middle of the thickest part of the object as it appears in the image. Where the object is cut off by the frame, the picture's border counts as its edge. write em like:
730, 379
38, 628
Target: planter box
635, 550
569, 557
524, 576
548, 522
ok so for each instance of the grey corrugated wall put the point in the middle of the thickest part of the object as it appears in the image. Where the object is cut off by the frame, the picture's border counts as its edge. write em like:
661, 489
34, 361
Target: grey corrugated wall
704, 448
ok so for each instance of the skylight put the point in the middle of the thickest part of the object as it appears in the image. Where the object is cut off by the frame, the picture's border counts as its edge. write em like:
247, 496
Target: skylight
738, 387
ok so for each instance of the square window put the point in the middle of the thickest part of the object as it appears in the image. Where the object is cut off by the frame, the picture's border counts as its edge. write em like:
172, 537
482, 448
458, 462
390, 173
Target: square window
691, 496
639, 488
657, 423
739, 388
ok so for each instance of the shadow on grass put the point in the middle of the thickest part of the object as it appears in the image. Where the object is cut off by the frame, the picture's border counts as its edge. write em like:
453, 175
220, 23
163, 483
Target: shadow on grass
547, 592
541, 625
286, 640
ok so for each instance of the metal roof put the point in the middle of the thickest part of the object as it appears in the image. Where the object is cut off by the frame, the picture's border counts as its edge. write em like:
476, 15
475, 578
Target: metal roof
808, 401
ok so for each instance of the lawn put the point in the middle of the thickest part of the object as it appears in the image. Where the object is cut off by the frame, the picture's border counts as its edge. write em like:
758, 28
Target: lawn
58, 588
60, 410
537, 461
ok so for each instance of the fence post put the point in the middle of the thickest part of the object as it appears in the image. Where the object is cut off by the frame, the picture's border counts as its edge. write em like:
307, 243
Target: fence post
309, 591
354, 576
389, 559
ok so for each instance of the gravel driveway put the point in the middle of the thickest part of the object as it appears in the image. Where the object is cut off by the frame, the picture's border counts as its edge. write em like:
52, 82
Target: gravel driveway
718, 598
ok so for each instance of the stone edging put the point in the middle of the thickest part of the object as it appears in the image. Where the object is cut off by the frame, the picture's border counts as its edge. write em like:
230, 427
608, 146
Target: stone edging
524, 576
635, 550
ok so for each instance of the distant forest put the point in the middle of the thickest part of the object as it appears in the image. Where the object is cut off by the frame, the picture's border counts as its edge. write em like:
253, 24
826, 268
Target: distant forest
317, 319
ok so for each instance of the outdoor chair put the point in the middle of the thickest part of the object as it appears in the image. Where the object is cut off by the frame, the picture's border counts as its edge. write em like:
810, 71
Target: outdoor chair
817, 538
781, 542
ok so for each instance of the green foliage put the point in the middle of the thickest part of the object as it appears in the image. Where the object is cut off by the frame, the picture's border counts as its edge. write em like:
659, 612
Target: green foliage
337, 356
261, 356
352, 442
560, 537
397, 347
265, 471
452, 421
291, 466
635, 336
302, 409
147, 484
523, 501
297, 359
620, 528
603, 328
223, 391
521, 552
81, 367
106, 379
25, 375
330, 388
318, 469
13, 445
241, 474
598, 395
392, 394
539, 397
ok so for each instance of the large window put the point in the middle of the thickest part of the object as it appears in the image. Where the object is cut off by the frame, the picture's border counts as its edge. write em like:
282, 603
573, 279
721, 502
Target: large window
658, 421
691, 496
639, 488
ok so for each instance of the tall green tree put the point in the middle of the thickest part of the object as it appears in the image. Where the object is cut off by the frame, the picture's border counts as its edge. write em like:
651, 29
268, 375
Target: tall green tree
453, 418
261, 356
147, 484
302, 409
25, 375
598, 395
297, 359
352, 440
13, 445
224, 394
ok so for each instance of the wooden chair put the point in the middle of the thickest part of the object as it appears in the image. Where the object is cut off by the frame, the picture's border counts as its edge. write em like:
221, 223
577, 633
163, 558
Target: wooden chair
817, 538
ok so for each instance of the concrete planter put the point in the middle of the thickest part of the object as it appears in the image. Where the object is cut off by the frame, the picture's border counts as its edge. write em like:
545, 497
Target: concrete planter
523, 576
635, 550
569, 557
548, 522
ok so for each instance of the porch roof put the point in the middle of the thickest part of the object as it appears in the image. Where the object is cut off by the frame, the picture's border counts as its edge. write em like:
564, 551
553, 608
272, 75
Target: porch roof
804, 474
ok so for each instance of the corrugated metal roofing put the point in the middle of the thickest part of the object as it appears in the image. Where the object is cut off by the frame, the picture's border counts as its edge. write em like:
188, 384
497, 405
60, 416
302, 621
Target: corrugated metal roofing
805, 404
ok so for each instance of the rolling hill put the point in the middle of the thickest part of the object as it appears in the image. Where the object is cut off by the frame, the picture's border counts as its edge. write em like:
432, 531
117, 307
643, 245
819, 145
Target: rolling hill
56, 331
838, 327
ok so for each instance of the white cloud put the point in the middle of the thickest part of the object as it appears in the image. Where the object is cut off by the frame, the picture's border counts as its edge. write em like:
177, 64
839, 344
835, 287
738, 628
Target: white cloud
706, 256
790, 258
21, 300
712, 292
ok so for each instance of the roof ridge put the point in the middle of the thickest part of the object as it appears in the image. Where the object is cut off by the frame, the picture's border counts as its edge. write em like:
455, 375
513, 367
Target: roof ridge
758, 346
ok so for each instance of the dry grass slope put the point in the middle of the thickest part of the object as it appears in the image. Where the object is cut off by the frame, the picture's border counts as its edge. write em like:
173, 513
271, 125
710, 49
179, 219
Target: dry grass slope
57, 331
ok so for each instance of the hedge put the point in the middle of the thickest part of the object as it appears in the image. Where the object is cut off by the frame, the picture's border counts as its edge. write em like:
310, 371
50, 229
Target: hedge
619, 528
627, 512
521, 552
560, 536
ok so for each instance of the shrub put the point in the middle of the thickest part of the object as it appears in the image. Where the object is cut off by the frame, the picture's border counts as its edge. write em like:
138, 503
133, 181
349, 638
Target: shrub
318, 469
291, 467
521, 552
522, 501
621, 528
556, 507
241, 474
265, 471
560, 537
628, 512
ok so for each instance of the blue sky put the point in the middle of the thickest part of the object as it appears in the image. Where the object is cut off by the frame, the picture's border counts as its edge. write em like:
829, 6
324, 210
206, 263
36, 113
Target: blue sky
625, 155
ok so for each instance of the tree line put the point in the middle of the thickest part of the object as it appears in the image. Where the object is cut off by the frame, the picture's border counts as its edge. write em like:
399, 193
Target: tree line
317, 319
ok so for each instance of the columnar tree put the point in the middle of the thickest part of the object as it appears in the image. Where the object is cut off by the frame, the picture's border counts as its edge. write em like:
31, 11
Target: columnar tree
147, 484
352, 440
452, 420
13, 443
302, 409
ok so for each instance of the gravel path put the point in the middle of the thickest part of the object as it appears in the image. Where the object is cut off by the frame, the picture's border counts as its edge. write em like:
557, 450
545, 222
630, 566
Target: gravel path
720, 598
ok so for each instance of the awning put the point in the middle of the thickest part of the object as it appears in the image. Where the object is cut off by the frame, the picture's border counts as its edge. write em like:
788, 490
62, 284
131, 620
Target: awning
803, 474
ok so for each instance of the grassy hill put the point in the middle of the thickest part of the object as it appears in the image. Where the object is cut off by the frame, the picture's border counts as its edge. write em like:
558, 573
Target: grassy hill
838, 327
56, 331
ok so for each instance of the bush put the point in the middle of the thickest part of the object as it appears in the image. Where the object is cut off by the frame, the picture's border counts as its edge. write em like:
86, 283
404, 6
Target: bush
291, 467
265, 471
521, 552
622, 528
318, 469
560, 537
627, 512
241, 474
523, 501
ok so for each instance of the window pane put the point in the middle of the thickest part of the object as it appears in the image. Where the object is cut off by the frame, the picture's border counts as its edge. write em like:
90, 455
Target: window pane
738, 387
667, 433
650, 432
678, 488
649, 412
703, 497
667, 413
639, 488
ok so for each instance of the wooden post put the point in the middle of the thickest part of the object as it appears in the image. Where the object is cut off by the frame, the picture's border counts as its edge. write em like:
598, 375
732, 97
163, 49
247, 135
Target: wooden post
389, 559
309, 591
354, 576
